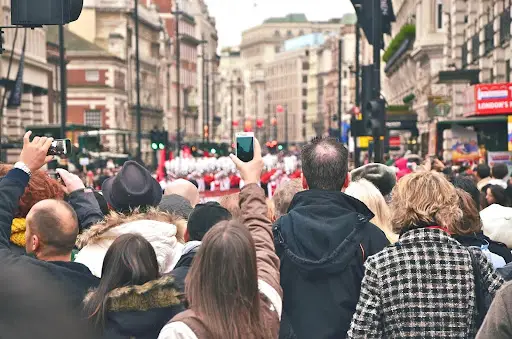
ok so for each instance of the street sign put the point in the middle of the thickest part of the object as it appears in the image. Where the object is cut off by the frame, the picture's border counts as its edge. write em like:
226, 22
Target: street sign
279, 109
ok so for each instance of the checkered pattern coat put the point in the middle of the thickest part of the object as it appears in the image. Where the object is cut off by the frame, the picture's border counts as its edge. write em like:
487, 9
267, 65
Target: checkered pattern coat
422, 287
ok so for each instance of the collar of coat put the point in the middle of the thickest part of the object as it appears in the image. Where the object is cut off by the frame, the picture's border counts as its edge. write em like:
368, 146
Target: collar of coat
160, 293
426, 235
115, 219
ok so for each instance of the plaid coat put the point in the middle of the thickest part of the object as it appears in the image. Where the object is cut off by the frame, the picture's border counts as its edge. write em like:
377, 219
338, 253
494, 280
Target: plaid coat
421, 287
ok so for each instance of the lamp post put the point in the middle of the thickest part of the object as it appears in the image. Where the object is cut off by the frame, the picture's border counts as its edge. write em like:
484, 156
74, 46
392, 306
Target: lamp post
137, 82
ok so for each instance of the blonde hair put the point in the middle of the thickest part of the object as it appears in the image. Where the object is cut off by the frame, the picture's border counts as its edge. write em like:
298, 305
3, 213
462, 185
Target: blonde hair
369, 194
231, 202
284, 196
424, 198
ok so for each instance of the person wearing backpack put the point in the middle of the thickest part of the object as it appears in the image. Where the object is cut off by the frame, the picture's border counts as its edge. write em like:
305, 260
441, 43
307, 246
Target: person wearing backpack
322, 243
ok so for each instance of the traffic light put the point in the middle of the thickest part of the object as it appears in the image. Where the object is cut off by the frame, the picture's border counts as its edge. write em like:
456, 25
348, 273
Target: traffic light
376, 121
153, 135
45, 12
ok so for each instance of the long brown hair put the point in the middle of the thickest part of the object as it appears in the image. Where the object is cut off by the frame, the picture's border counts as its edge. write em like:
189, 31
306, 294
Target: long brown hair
222, 285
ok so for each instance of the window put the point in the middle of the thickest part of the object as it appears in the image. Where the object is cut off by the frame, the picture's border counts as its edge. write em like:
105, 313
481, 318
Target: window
277, 49
277, 34
491, 80
92, 118
304, 105
464, 55
505, 26
305, 65
301, 32
92, 76
475, 47
345, 74
304, 79
439, 15
304, 92
289, 34
489, 37
239, 102
507, 71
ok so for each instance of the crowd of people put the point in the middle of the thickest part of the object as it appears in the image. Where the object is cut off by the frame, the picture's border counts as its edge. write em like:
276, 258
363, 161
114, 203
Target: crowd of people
380, 251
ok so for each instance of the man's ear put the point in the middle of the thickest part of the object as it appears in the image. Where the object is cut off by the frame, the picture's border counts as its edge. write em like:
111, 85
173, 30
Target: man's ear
346, 183
304, 182
36, 244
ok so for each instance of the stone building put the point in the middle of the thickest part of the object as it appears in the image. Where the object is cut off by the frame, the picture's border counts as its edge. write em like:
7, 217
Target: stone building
110, 26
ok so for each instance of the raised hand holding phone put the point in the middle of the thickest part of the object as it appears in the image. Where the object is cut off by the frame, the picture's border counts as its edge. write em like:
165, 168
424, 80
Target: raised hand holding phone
245, 146
250, 171
34, 153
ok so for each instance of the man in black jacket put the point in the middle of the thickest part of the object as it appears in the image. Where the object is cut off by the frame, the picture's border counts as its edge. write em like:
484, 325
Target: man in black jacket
52, 227
323, 242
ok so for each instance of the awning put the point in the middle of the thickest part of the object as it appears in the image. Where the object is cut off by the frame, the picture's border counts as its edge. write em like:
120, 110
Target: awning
474, 120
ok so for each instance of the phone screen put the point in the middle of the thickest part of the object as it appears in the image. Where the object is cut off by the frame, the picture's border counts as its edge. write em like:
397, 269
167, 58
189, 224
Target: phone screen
60, 147
245, 148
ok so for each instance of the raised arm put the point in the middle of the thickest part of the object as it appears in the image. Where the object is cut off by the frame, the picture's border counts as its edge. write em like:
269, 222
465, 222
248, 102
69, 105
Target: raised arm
255, 216
12, 186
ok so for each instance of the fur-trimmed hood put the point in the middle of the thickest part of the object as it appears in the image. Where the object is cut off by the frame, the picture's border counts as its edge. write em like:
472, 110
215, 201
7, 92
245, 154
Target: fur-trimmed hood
115, 219
159, 228
141, 311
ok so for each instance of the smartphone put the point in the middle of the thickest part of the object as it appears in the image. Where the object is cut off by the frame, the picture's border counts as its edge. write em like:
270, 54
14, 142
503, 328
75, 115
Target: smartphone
60, 147
245, 146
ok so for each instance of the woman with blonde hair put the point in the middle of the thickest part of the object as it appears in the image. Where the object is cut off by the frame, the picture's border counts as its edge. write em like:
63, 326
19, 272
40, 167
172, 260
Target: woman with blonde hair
427, 284
366, 192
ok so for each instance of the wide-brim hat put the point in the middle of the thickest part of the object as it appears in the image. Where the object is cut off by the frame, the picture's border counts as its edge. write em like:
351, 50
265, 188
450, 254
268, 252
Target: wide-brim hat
132, 187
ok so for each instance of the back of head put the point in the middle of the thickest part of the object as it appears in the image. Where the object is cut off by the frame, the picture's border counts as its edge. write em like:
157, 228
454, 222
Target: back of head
381, 176
500, 195
325, 164
470, 222
231, 202
227, 296
130, 260
284, 196
483, 171
40, 187
366, 192
204, 217
500, 171
424, 198
52, 229
468, 185
185, 189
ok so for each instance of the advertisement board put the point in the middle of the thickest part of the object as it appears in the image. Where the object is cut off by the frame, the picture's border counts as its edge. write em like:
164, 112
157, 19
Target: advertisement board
489, 99
465, 146
494, 158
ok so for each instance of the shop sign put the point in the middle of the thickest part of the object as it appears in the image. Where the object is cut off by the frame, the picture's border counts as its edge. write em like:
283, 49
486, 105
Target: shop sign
489, 99
510, 133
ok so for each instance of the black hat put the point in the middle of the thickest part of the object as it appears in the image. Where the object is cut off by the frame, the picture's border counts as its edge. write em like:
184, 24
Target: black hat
204, 217
382, 176
132, 187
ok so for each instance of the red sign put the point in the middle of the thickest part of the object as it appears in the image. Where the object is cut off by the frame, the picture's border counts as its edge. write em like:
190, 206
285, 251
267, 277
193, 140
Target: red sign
279, 109
395, 141
489, 99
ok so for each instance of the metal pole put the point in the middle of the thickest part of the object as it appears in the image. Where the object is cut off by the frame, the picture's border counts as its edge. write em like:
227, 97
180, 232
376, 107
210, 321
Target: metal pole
137, 82
63, 83
178, 85
203, 83
286, 125
232, 114
214, 102
357, 151
340, 87
208, 107
377, 43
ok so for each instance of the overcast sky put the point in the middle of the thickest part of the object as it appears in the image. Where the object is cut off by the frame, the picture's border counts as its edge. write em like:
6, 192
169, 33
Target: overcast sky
235, 16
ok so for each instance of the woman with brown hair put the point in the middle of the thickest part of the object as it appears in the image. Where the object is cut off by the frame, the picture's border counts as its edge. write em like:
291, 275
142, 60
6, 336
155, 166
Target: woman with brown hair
425, 285
40, 187
233, 286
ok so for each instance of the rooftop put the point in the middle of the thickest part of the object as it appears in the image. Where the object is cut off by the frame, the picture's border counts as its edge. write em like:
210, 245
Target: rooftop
73, 42
293, 17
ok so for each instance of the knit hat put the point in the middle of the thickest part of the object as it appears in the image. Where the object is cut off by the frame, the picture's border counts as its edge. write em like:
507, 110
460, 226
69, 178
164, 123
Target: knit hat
176, 204
204, 217
18, 229
382, 176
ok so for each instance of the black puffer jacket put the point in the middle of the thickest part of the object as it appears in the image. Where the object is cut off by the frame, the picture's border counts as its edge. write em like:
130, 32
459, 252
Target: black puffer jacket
323, 242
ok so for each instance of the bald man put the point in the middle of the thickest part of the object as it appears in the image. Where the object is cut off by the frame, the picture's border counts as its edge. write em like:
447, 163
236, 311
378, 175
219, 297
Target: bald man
184, 188
51, 229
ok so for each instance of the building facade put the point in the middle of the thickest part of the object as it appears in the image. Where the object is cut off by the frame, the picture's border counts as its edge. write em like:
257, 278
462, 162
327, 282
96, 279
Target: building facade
110, 26
230, 97
260, 45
